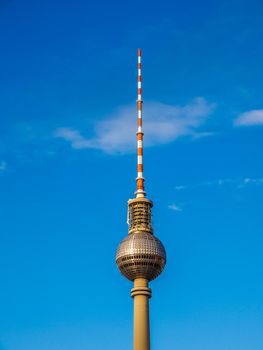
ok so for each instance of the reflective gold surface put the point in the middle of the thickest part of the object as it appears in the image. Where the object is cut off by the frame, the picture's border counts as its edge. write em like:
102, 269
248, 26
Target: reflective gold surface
141, 255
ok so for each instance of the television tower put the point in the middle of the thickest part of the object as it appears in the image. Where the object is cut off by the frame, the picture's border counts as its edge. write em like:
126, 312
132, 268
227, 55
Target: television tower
140, 256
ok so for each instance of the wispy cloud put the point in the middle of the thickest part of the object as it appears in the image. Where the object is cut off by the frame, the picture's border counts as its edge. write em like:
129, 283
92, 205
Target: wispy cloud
180, 187
3, 166
249, 118
237, 182
74, 137
249, 180
174, 207
162, 124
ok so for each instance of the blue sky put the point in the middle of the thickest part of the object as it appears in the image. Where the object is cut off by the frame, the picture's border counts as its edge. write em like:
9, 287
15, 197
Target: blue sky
67, 169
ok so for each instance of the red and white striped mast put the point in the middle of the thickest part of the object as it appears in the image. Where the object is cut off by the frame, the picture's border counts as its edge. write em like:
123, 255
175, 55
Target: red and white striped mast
140, 179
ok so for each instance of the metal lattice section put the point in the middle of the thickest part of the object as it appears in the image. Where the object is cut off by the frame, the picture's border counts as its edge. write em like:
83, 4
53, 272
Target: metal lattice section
140, 215
141, 255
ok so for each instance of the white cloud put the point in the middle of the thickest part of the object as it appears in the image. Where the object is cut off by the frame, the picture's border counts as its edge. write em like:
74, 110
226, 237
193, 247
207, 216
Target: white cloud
200, 134
162, 124
254, 117
74, 137
249, 180
3, 166
174, 207
236, 182
180, 188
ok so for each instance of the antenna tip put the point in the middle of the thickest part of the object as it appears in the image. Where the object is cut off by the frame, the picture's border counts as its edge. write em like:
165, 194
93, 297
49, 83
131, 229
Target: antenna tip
139, 52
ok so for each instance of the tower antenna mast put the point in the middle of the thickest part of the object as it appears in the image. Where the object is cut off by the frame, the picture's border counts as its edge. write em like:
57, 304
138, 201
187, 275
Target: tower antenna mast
140, 179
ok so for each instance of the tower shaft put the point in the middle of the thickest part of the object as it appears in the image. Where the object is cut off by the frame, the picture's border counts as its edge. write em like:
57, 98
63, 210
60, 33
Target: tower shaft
141, 333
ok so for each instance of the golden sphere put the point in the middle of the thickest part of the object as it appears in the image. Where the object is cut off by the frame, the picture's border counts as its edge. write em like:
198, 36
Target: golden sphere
141, 255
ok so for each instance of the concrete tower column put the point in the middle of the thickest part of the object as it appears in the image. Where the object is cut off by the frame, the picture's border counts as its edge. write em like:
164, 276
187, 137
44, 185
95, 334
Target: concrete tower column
141, 294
